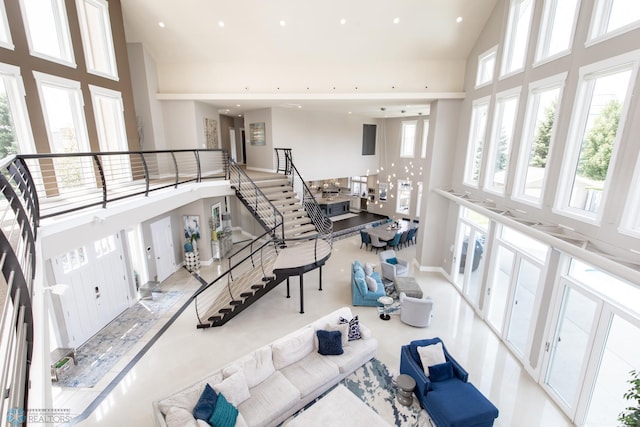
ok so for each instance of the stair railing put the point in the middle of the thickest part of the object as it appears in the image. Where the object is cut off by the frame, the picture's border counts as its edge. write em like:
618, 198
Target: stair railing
283, 155
260, 205
322, 223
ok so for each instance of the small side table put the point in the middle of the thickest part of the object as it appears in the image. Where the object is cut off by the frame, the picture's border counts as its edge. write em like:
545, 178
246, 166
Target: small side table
406, 384
386, 302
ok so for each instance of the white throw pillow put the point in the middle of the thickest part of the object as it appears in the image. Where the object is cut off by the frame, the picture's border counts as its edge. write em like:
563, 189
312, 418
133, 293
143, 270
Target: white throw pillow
292, 348
368, 269
431, 355
185, 399
372, 285
180, 417
234, 388
257, 366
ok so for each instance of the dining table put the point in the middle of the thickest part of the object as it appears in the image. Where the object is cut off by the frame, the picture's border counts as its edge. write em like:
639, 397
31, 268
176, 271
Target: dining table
388, 231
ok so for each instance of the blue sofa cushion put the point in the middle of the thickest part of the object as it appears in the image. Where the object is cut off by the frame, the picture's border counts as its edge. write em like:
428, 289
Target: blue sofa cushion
441, 372
460, 404
329, 343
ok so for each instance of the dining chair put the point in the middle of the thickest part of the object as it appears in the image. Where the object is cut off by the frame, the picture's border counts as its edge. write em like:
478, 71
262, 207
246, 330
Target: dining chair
377, 243
365, 239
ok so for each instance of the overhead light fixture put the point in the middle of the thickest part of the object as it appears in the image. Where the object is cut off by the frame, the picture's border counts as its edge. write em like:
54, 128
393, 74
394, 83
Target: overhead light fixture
161, 24
283, 23
343, 21
396, 20
221, 24
459, 19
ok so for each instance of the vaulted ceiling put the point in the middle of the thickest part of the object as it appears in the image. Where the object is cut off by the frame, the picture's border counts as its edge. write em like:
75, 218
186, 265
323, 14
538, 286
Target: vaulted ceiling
343, 55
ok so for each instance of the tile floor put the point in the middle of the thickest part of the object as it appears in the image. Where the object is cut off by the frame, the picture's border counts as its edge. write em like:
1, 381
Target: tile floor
184, 354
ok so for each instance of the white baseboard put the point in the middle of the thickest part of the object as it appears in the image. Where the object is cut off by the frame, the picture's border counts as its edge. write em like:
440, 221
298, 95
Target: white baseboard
251, 168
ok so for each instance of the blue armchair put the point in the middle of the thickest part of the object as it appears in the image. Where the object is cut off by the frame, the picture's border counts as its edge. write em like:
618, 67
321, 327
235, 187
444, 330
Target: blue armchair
360, 293
452, 401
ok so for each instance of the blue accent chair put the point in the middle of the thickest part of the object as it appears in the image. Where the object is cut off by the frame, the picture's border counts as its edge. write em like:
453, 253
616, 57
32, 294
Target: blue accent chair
360, 293
451, 402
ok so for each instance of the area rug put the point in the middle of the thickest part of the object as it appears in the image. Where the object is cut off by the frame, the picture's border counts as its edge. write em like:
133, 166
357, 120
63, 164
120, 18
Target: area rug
390, 290
374, 385
101, 352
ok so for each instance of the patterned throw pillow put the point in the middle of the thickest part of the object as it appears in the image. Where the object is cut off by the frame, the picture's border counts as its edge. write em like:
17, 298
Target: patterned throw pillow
354, 327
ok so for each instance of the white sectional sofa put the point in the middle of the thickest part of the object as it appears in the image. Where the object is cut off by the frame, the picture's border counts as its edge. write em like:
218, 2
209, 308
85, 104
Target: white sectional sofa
273, 382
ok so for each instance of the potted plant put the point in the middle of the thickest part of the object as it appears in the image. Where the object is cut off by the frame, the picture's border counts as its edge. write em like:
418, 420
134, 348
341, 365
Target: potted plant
630, 417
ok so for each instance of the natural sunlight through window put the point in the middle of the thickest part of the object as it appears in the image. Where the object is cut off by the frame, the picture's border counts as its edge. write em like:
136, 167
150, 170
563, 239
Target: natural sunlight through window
475, 146
614, 16
517, 36
601, 104
48, 30
486, 66
502, 140
425, 136
96, 37
404, 197
558, 25
407, 149
15, 130
537, 138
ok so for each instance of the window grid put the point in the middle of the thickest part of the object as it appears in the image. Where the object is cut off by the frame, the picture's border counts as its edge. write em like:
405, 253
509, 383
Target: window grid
17, 129
404, 197
611, 17
486, 67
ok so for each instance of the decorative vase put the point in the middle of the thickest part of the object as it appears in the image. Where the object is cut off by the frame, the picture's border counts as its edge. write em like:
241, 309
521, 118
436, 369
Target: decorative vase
188, 247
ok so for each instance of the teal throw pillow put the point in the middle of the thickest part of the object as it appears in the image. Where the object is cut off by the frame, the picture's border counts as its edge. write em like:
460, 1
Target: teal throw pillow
441, 372
329, 343
224, 414
206, 404
392, 261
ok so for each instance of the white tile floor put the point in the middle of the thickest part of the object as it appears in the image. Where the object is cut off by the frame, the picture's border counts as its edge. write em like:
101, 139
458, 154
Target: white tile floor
184, 354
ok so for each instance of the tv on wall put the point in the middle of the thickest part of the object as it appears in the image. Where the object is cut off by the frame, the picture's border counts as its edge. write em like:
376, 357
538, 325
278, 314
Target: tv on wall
368, 140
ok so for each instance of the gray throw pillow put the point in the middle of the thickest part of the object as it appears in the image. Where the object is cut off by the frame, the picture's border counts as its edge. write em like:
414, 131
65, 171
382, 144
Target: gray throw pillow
371, 284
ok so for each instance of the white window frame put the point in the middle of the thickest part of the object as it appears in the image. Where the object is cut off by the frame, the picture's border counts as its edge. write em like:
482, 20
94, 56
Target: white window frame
62, 31
483, 59
5, 32
425, 136
407, 147
472, 147
98, 92
401, 190
528, 135
16, 97
599, 22
546, 32
588, 74
495, 137
419, 199
630, 224
89, 33
514, 26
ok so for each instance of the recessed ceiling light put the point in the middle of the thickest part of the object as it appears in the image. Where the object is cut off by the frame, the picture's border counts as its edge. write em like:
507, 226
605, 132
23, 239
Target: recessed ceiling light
343, 21
396, 20
161, 24
459, 19
237, 105
283, 23
220, 24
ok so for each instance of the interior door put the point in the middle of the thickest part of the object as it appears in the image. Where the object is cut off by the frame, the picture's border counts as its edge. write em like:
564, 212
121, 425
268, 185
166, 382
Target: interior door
163, 248
232, 143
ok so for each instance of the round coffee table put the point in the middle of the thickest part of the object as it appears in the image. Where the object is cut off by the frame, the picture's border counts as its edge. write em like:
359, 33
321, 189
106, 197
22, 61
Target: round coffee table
386, 302
406, 384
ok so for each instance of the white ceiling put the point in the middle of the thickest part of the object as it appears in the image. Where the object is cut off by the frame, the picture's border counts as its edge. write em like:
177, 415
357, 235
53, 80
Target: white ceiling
252, 36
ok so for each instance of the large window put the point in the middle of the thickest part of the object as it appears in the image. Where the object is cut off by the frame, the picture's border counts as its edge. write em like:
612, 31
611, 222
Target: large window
425, 136
537, 137
517, 36
359, 186
96, 37
404, 197
600, 110
558, 26
5, 34
475, 146
66, 128
501, 140
631, 218
48, 30
15, 130
486, 66
614, 16
407, 148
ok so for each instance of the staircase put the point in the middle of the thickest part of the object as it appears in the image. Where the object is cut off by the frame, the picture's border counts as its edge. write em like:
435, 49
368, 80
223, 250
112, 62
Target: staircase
297, 239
